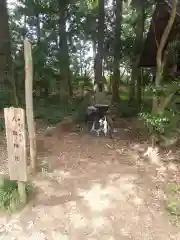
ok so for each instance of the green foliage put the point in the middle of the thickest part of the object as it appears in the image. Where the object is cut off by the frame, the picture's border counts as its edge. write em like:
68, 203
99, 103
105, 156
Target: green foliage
5, 100
9, 196
156, 124
154, 91
88, 4
45, 24
53, 115
173, 207
173, 200
54, 110
124, 95
126, 109
172, 50
163, 127
166, 120
83, 81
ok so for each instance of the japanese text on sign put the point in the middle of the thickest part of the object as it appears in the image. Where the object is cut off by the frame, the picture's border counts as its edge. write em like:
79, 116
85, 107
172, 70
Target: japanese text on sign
16, 143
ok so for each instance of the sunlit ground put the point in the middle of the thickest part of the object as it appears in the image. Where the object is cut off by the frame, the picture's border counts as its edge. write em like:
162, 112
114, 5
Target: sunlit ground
113, 195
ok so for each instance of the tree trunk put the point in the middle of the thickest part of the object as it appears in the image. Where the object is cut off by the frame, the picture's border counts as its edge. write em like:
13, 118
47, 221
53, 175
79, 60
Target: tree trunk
94, 48
139, 88
160, 61
64, 52
117, 52
139, 30
7, 81
100, 49
81, 62
38, 29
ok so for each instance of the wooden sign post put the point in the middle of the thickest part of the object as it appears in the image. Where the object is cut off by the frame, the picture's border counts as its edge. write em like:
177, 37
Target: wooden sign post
16, 147
29, 102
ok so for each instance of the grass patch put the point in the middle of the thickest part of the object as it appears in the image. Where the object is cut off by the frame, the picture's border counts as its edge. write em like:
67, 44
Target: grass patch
9, 196
173, 200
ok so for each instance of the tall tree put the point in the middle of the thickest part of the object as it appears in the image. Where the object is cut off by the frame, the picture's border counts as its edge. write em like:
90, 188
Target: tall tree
139, 6
63, 45
6, 78
117, 51
100, 48
158, 107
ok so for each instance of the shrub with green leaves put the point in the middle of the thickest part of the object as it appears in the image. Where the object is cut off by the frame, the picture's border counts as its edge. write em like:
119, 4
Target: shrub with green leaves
163, 127
165, 122
156, 124
9, 196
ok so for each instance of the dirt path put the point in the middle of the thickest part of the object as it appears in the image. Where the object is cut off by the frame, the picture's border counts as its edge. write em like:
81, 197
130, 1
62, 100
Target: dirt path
93, 190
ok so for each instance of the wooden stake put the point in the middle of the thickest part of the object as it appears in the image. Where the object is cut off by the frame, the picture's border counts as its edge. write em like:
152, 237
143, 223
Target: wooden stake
29, 102
22, 192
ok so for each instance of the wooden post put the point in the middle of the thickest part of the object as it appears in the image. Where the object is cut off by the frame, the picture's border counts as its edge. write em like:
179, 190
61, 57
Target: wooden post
29, 103
16, 146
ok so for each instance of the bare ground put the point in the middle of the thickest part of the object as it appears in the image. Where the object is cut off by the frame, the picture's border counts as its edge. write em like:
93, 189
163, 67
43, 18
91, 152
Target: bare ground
94, 188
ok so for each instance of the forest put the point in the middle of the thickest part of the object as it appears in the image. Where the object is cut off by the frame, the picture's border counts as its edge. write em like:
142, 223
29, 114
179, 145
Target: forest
125, 53
79, 44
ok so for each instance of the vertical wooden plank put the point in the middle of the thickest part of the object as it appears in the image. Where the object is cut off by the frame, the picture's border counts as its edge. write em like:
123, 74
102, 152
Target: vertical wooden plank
29, 102
16, 143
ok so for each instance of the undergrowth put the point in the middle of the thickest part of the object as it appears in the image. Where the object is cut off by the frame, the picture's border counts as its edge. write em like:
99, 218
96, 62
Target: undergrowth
54, 109
9, 196
173, 200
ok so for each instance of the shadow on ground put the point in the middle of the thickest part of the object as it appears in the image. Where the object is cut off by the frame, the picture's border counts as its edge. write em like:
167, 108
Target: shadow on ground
93, 188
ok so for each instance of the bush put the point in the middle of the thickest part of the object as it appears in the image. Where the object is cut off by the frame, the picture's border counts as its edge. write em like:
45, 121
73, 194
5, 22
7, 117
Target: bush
9, 196
163, 127
156, 124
